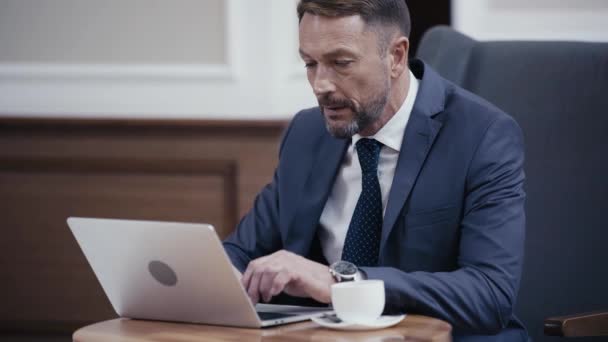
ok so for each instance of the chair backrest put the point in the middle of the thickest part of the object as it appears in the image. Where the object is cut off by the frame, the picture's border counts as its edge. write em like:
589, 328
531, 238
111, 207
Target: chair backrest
558, 93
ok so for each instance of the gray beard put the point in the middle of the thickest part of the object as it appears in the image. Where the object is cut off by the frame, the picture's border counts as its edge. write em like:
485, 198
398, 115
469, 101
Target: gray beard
343, 132
363, 118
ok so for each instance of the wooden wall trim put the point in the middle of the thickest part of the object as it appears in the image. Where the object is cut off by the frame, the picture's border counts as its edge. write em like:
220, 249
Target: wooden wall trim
250, 127
234, 158
226, 169
122, 165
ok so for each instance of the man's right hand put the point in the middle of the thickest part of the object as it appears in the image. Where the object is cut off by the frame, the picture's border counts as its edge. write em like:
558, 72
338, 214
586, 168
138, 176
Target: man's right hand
287, 272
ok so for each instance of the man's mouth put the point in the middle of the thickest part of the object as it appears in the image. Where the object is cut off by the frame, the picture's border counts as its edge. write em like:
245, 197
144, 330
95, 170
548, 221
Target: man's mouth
333, 110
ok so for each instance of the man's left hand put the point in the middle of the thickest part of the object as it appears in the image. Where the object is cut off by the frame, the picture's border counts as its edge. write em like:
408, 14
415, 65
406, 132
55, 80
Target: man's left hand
287, 272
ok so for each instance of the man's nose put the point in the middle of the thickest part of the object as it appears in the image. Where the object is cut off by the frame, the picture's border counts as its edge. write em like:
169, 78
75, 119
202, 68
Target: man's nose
322, 81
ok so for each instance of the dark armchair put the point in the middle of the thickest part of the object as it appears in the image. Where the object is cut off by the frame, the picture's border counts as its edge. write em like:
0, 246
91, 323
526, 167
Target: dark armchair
558, 93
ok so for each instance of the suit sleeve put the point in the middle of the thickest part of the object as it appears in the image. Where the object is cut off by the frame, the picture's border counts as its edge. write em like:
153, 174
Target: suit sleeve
257, 234
479, 296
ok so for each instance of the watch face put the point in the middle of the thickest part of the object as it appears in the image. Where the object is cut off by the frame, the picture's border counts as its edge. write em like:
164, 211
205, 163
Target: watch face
345, 268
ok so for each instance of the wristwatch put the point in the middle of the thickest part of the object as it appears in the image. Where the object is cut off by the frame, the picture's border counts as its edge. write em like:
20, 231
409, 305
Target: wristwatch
343, 271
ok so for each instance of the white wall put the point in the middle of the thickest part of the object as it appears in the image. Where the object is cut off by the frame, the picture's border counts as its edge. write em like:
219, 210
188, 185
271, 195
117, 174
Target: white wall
151, 58
585, 20
220, 59
112, 31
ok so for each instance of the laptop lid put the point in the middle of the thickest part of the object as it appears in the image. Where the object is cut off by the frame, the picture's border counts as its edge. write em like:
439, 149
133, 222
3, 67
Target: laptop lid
171, 271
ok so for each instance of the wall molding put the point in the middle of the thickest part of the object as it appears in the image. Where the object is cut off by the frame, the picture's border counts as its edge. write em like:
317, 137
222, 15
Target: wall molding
262, 78
120, 72
266, 128
135, 72
536, 20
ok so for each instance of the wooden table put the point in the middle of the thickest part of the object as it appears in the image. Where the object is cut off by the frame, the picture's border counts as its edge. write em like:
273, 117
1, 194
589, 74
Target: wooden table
412, 328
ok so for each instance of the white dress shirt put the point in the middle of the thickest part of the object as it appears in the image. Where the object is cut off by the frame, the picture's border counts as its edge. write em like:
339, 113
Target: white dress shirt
344, 195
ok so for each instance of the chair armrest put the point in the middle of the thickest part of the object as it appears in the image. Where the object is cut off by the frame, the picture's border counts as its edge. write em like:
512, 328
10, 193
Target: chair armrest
586, 324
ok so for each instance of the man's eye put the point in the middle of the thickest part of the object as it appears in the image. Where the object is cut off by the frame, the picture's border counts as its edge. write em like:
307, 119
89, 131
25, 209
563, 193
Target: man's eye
309, 65
343, 63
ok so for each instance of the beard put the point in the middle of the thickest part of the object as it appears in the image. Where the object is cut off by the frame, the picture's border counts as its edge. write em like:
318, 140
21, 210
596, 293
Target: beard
363, 115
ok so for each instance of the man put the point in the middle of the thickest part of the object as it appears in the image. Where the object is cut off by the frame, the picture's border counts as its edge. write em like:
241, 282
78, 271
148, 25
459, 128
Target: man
398, 174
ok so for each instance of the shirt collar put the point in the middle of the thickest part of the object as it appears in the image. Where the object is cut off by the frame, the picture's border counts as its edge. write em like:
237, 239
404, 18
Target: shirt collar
391, 134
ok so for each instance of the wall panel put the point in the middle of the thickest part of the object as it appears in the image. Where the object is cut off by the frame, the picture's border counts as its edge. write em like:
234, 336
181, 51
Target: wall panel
191, 171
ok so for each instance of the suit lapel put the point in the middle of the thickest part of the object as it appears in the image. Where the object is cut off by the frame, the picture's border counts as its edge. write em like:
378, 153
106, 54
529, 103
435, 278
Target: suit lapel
419, 136
314, 194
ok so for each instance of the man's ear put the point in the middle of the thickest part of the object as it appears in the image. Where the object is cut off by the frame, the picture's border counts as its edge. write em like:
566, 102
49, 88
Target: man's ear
399, 50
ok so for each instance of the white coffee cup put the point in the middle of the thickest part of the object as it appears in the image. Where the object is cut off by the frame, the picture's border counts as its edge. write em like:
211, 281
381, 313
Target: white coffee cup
358, 302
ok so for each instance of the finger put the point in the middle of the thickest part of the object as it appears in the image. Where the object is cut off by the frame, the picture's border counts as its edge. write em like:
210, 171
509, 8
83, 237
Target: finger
252, 267
246, 278
279, 283
266, 283
253, 289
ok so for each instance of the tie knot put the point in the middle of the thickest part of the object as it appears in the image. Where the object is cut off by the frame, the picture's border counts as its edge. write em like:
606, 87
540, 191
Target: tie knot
368, 151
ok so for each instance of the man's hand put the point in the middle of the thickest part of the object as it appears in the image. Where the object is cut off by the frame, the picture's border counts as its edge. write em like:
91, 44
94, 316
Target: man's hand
270, 275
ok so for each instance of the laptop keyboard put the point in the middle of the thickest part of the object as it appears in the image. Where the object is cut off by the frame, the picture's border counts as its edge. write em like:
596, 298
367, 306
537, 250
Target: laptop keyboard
264, 316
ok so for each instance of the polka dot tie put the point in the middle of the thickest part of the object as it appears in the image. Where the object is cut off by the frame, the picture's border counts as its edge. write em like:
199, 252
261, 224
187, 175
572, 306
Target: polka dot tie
362, 244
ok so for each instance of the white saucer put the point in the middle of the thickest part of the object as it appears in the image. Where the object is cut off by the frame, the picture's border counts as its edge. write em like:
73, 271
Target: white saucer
334, 322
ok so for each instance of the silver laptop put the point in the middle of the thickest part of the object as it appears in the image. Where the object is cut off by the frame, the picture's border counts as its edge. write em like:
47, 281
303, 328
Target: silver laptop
173, 271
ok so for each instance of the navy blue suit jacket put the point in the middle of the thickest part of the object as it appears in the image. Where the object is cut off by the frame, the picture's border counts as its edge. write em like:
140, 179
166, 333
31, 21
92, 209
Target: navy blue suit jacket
453, 231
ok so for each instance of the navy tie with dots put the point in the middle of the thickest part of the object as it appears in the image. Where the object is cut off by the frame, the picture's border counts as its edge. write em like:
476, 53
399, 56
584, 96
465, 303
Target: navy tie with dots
362, 244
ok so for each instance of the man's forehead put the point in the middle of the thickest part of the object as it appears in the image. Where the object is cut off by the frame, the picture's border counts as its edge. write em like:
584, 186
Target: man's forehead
339, 32
332, 52
316, 26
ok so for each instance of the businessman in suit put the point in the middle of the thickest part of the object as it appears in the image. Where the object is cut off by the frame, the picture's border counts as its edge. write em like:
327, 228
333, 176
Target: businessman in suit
398, 173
